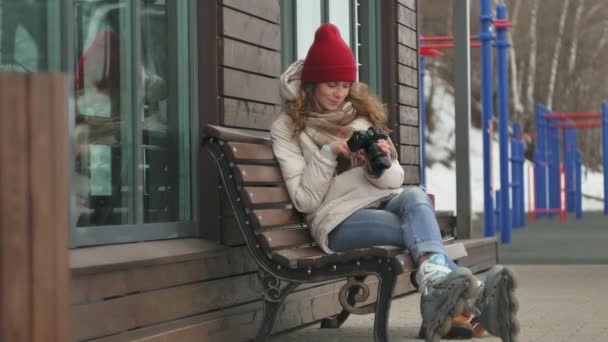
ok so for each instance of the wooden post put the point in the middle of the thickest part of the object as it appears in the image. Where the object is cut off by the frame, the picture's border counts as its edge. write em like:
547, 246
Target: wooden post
34, 273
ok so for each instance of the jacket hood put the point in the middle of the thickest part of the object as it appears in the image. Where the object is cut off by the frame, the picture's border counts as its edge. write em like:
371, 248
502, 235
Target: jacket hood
291, 80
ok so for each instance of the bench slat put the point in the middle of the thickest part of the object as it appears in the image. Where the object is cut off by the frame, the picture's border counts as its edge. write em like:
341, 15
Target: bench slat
256, 174
290, 257
237, 135
265, 195
315, 257
267, 218
279, 239
244, 151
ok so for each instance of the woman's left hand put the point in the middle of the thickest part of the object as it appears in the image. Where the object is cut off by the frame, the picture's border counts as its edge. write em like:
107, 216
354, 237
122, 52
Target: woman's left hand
385, 146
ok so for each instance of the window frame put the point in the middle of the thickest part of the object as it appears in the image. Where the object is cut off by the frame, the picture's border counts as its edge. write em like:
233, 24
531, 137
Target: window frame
140, 231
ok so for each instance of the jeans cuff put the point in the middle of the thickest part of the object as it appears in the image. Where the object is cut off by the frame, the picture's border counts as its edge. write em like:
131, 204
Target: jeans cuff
425, 247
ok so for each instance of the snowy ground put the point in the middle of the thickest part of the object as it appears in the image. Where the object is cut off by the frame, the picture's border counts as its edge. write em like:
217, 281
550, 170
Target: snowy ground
441, 178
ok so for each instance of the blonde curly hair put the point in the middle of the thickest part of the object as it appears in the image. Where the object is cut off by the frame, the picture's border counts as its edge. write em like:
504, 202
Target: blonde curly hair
364, 104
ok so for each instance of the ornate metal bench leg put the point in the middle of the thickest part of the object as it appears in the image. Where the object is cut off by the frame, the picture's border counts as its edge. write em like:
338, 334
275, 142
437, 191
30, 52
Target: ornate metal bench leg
274, 292
383, 306
336, 321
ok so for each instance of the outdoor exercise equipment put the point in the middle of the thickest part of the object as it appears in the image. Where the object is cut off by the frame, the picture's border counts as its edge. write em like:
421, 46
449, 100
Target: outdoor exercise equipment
486, 39
547, 159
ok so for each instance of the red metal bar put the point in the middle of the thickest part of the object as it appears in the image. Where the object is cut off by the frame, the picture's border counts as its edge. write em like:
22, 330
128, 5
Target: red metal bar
578, 124
445, 46
502, 23
443, 38
573, 116
430, 52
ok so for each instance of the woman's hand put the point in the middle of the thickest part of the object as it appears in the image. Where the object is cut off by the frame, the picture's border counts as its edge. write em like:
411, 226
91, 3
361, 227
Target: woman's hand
340, 148
385, 146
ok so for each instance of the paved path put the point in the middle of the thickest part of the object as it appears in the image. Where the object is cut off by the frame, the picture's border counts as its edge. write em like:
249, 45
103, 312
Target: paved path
557, 303
548, 241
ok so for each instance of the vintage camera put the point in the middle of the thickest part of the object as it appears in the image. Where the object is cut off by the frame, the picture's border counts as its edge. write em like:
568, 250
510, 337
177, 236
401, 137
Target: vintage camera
367, 140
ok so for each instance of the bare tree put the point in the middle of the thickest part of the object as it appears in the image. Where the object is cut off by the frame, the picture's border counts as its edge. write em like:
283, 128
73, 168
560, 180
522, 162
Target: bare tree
575, 37
556, 53
518, 106
532, 57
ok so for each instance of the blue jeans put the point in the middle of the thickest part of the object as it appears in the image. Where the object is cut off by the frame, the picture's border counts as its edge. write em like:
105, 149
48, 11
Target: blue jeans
407, 221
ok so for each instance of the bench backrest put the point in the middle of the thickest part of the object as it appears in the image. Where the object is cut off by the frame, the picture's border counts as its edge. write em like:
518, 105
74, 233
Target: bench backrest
270, 219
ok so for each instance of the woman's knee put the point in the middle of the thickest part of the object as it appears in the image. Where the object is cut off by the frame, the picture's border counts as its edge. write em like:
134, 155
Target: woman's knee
414, 196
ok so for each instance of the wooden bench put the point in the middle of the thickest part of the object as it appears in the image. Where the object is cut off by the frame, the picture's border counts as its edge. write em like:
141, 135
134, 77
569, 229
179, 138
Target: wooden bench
279, 240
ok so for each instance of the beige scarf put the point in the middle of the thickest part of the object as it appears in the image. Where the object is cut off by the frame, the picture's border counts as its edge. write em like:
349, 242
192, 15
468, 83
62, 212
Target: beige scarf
328, 127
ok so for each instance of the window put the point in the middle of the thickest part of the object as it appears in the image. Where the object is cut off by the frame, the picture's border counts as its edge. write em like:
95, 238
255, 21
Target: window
134, 158
358, 24
30, 35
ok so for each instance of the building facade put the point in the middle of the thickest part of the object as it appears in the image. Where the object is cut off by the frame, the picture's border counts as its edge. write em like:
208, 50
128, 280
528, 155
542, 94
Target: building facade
155, 253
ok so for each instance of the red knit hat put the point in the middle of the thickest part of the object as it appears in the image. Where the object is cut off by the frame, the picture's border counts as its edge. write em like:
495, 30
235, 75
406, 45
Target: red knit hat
329, 58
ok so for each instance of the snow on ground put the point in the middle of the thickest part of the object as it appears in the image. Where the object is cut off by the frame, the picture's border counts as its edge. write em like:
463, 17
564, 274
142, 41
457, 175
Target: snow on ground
441, 178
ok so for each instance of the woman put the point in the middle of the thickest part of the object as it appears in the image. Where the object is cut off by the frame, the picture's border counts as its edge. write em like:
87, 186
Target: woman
348, 208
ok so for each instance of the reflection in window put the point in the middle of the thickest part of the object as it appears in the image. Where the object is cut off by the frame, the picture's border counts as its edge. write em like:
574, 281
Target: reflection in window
27, 29
103, 114
165, 122
132, 113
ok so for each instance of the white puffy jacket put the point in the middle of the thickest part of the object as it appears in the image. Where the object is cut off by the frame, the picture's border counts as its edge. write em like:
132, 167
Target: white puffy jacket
327, 199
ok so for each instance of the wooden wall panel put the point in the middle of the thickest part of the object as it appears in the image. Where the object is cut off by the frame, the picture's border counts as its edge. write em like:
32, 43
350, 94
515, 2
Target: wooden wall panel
146, 308
412, 174
408, 96
407, 56
409, 115
407, 17
251, 29
241, 323
410, 155
247, 57
250, 87
224, 263
409, 135
408, 76
411, 4
33, 208
266, 9
16, 296
248, 114
407, 36
406, 23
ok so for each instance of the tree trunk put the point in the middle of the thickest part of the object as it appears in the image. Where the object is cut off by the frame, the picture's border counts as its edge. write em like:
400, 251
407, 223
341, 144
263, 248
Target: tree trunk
575, 29
601, 44
518, 106
532, 58
556, 54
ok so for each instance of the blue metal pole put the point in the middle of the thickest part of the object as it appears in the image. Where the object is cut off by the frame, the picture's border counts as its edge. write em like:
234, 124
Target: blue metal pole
540, 161
486, 38
569, 145
554, 178
516, 177
605, 152
514, 182
502, 45
579, 184
422, 122
522, 194
497, 213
